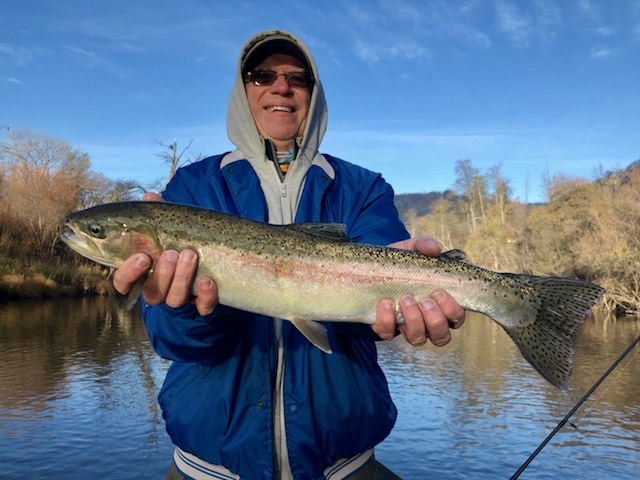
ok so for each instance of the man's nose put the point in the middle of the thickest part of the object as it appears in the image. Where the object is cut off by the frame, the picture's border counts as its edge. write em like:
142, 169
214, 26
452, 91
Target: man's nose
281, 85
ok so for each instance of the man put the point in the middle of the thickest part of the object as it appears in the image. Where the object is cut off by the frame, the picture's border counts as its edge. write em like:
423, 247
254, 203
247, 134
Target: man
247, 396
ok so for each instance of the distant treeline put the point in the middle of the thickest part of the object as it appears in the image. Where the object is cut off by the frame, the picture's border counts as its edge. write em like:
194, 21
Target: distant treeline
586, 229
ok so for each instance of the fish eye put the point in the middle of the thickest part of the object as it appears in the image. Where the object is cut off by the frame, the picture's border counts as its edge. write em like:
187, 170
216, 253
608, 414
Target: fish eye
96, 230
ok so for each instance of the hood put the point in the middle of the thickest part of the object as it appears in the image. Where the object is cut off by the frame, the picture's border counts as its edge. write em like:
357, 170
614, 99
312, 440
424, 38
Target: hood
241, 128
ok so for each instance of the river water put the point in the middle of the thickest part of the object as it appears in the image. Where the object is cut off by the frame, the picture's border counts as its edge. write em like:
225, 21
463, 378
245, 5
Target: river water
78, 386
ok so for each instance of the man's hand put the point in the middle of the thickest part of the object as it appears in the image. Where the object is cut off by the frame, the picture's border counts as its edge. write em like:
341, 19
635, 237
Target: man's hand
171, 280
425, 319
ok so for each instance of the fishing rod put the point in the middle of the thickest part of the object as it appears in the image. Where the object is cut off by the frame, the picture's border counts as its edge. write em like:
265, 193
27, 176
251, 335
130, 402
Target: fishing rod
564, 421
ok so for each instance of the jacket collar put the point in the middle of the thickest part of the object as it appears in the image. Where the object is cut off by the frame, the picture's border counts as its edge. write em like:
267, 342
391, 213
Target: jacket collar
249, 198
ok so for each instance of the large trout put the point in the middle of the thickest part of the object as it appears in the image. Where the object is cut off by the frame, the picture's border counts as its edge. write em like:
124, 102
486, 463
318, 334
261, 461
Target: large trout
307, 273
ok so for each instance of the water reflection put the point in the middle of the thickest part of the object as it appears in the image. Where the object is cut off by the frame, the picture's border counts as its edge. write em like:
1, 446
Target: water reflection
476, 409
79, 380
79, 384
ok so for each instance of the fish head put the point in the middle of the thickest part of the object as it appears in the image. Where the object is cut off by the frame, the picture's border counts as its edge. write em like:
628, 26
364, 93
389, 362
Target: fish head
108, 234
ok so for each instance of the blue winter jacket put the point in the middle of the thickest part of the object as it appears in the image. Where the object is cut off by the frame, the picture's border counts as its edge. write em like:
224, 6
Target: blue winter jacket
217, 397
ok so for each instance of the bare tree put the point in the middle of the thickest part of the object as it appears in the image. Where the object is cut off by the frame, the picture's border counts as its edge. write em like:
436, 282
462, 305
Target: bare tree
471, 186
501, 192
173, 158
44, 179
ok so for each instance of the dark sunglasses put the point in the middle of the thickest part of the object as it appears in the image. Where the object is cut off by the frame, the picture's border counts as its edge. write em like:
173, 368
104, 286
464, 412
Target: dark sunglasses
268, 77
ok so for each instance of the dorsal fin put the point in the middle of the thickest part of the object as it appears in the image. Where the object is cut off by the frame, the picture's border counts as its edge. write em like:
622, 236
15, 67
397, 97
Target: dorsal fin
454, 254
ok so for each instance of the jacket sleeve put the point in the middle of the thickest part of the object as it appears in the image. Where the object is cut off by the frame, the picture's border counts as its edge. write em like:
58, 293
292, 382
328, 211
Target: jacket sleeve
181, 334
374, 219
177, 190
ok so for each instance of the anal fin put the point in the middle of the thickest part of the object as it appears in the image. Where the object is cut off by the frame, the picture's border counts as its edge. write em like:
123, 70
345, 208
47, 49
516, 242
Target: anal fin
315, 332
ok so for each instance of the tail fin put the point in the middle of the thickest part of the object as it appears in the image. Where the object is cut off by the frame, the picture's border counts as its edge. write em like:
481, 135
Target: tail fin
547, 343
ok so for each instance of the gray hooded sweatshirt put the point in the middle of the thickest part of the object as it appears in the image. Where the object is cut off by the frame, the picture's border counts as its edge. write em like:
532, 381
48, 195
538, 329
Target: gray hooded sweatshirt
282, 195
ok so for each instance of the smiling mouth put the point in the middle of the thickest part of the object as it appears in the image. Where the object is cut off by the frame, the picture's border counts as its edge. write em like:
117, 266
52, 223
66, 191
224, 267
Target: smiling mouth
279, 108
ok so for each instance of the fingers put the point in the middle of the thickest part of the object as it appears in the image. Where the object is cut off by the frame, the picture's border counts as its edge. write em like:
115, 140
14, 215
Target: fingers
152, 197
427, 320
385, 326
172, 283
171, 280
180, 291
423, 321
453, 312
134, 268
430, 318
206, 296
425, 245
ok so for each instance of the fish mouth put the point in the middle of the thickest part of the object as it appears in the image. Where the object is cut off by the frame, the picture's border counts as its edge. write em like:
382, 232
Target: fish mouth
80, 243
70, 237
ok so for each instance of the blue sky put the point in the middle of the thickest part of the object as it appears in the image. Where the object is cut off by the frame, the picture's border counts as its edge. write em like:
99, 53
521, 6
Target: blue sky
538, 86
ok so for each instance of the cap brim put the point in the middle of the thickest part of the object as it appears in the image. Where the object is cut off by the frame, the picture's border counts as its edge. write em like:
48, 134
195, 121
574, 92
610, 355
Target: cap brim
270, 47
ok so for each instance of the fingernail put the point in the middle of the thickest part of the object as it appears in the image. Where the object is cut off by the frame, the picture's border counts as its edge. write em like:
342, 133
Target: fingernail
188, 256
205, 283
427, 304
427, 244
388, 305
143, 262
438, 296
171, 255
408, 301
431, 241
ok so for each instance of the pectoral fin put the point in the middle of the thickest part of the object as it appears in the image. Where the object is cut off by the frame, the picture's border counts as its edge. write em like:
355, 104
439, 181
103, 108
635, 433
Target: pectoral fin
315, 333
133, 296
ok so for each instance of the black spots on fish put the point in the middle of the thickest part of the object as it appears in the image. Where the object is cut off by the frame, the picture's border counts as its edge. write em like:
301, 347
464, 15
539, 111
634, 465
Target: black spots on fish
568, 296
287, 253
547, 343
260, 251
377, 254
549, 353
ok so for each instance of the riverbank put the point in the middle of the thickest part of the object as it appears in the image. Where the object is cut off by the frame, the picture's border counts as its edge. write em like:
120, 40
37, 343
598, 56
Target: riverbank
51, 281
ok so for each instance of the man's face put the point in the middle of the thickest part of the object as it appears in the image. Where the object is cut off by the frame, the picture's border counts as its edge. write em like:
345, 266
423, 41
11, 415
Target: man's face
279, 110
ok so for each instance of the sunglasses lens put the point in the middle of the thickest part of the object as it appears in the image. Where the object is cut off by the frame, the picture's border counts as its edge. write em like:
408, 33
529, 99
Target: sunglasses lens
268, 77
298, 79
263, 77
